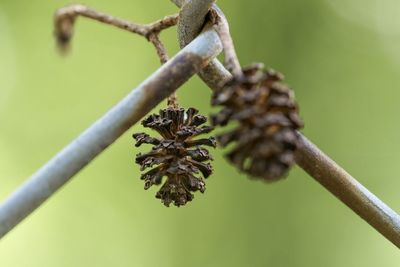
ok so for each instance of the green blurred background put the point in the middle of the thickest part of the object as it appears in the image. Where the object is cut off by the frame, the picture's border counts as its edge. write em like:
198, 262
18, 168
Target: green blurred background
342, 57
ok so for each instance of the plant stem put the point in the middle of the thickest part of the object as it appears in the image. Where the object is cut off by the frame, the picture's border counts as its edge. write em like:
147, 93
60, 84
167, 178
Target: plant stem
74, 157
222, 27
341, 184
44, 183
325, 170
172, 100
64, 20
65, 17
192, 20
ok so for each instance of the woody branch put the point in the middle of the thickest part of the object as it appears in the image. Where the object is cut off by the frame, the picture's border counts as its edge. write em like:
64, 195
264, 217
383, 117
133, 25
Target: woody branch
193, 58
308, 156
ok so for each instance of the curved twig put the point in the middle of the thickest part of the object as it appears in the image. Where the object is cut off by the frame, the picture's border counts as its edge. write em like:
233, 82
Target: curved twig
221, 25
65, 17
215, 73
162, 54
43, 184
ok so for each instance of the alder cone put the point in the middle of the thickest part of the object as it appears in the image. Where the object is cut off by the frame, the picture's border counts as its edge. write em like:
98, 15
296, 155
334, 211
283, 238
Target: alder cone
176, 155
265, 139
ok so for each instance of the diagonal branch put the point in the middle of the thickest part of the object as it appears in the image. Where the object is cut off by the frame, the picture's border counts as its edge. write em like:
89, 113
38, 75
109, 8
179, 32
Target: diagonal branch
44, 183
75, 156
309, 157
341, 184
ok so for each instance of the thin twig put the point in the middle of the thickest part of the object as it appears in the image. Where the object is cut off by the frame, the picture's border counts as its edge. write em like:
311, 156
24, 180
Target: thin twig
221, 25
74, 157
161, 51
64, 25
65, 17
162, 54
170, 76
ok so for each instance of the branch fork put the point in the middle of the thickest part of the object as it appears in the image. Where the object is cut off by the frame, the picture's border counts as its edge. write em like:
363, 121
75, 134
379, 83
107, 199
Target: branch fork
65, 18
197, 56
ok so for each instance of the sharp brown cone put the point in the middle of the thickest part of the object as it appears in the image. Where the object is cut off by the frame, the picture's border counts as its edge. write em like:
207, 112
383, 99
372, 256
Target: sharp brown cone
267, 116
176, 155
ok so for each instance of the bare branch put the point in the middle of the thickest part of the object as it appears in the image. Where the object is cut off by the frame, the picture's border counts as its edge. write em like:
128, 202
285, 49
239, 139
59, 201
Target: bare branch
162, 54
192, 19
222, 27
193, 14
161, 51
179, 3
65, 17
328, 173
336, 180
59, 170
170, 76
348, 190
